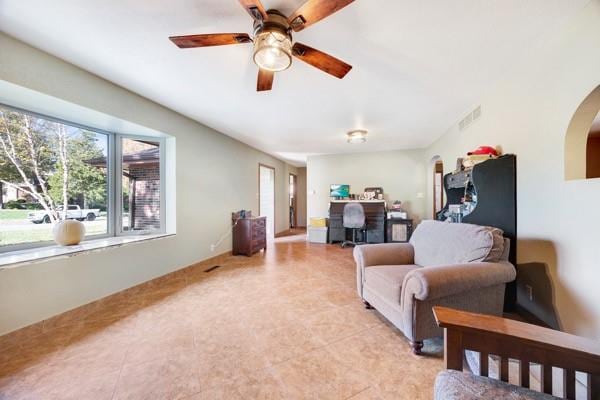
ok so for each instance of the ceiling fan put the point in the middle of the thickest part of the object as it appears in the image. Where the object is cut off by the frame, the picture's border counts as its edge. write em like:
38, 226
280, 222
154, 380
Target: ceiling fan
273, 49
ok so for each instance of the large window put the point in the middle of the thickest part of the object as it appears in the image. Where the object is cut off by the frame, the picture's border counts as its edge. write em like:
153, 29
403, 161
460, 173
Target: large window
52, 170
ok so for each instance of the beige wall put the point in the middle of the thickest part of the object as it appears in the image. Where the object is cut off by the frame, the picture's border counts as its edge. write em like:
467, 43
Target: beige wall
215, 175
400, 173
528, 114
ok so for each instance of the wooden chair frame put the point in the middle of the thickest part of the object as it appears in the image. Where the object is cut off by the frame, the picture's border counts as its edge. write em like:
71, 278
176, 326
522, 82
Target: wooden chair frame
509, 339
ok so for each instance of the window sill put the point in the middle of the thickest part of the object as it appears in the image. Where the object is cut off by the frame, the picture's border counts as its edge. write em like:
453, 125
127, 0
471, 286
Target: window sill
21, 257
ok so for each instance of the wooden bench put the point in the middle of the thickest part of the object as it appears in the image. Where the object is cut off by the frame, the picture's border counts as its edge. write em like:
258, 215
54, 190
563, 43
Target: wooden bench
514, 340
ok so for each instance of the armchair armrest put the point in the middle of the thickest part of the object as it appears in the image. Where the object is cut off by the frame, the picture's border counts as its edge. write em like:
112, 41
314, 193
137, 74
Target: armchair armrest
446, 280
384, 254
528, 343
368, 255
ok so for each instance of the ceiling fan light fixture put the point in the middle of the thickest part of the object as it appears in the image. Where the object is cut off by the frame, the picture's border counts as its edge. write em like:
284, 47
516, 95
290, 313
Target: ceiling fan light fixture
357, 136
272, 50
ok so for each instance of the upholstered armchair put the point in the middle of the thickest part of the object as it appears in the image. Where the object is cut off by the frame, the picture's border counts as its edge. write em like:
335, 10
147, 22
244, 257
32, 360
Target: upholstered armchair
462, 266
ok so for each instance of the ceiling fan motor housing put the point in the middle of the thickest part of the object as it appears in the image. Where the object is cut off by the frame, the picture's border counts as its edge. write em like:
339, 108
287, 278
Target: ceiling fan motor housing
276, 22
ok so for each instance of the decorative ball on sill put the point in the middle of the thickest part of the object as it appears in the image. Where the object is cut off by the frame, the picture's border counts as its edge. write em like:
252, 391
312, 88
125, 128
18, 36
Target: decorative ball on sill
68, 232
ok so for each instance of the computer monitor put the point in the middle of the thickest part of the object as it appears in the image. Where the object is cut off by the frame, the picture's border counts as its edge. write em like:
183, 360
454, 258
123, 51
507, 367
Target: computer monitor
339, 191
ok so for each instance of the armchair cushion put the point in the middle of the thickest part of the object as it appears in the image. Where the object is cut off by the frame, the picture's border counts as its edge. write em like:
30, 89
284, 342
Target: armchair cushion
442, 243
387, 280
447, 280
456, 385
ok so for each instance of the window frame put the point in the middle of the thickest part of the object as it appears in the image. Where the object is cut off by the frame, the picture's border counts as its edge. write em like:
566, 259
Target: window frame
113, 183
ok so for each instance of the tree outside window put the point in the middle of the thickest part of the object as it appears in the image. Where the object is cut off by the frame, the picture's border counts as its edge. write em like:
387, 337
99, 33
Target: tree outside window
44, 167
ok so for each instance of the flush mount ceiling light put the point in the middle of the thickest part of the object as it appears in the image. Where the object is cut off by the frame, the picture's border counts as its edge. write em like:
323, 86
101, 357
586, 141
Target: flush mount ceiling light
273, 46
357, 136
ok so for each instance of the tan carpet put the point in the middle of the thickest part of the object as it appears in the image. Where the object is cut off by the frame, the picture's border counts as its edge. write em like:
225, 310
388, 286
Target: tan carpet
287, 324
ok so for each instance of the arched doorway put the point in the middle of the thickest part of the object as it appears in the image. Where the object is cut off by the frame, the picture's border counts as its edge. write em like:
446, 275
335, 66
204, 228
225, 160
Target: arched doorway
438, 185
582, 142
592, 167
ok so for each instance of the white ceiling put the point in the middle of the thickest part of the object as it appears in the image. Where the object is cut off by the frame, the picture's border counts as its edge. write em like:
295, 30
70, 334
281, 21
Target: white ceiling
419, 66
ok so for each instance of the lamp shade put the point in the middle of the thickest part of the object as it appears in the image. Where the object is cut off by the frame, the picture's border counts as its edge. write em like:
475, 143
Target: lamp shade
272, 51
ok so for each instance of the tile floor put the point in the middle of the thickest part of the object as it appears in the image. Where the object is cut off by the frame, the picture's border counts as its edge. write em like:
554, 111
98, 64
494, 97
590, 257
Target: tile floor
287, 324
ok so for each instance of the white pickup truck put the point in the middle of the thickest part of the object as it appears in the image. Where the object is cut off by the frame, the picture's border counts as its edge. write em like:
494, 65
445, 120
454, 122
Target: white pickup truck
73, 212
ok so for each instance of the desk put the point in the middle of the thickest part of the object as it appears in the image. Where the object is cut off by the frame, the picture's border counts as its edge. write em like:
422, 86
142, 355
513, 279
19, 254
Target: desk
374, 213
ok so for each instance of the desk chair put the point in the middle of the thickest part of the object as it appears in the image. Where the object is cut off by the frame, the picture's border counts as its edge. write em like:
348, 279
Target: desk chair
353, 218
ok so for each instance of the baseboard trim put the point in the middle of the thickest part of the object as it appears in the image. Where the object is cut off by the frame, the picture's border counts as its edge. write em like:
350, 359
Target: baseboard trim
206, 261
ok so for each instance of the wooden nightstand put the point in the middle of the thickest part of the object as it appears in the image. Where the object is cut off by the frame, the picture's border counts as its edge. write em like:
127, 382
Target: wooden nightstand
398, 230
249, 236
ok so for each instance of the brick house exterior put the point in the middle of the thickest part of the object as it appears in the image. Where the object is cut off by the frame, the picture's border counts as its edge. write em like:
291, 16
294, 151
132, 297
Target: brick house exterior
142, 170
145, 193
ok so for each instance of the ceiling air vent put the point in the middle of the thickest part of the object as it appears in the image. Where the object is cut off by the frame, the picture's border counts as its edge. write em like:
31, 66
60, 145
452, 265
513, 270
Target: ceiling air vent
469, 119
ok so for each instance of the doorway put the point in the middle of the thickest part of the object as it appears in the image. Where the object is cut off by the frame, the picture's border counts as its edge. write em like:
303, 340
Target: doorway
593, 150
293, 203
582, 145
438, 188
266, 197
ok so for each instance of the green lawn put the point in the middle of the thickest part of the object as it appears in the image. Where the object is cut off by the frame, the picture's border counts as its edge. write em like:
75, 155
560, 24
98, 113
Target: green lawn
13, 214
25, 236
29, 232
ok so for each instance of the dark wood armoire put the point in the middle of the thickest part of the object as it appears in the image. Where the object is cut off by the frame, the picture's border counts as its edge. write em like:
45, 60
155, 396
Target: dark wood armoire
490, 188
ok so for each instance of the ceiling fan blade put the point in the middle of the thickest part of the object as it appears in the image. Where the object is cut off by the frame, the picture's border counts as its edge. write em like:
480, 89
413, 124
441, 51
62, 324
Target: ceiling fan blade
320, 60
265, 80
255, 9
210, 39
313, 11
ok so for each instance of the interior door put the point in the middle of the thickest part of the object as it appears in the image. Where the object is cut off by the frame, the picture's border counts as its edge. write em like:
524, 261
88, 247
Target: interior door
293, 201
266, 202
